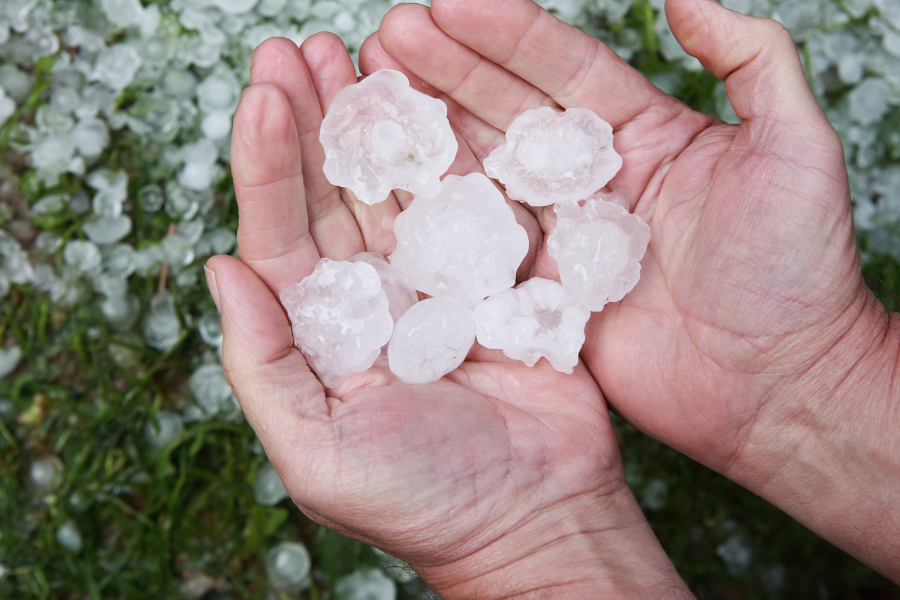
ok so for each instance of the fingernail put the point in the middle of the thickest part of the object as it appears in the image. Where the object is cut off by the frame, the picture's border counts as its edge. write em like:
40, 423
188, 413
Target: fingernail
213, 287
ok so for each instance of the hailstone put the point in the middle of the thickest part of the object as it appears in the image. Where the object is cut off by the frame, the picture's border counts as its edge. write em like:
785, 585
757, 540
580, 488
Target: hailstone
538, 318
340, 318
401, 295
598, 249
380, 134
464, 244
430, 340
554, 158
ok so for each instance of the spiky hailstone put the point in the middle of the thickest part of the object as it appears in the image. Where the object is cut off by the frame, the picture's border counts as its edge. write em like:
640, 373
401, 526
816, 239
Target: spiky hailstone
401, 294
598, 249
554, 158
538, 318
464, 243
380, 135
340, 318
430, 340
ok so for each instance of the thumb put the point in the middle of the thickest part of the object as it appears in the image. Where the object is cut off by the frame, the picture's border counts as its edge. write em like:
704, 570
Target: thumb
755, 57
271, 380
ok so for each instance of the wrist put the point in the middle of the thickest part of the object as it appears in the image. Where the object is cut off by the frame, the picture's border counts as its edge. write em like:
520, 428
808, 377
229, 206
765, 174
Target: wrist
589, 547
824, 446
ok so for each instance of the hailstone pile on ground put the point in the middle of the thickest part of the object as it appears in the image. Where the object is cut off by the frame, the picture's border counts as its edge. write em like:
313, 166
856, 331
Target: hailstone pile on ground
381, 134
459, 241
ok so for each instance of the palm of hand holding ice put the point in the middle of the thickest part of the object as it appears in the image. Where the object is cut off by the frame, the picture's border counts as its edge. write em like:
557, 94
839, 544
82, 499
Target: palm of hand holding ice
462, 477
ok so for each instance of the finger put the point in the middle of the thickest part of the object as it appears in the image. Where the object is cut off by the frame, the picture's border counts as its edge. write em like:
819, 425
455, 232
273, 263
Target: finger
485, 89
331, 71
271, 380
268, 181
572, 67
278, 61
755, 57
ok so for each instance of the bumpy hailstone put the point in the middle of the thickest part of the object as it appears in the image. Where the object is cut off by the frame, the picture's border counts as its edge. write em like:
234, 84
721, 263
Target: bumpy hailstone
401, 294
340, 318
538, 318
598, 248
554, 158
430, 340
464, 243
380, 135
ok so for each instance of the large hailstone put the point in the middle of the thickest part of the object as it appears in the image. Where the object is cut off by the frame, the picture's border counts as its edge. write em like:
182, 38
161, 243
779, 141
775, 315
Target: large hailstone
380, 135
465, 243
598, 248
554, 158
401, 294
430, 340
538, 318
340, 318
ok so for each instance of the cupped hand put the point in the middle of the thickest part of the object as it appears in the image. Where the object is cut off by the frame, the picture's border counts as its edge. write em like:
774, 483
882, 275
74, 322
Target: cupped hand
496, 476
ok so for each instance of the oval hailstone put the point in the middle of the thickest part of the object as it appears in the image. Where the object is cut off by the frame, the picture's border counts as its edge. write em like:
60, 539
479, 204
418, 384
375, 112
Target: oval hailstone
465, 243
380, 135
340, 318
554, 158
598, 249
430, 340
538, 318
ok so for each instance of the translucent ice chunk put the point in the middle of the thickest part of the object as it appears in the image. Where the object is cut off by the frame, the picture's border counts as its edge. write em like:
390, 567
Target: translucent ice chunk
45, 475
210, 389
116, 66
538, 318
220, 92
9, 360
123, 13
161, 326
401, 294
340, 318
465, 243
288, 564
380, 135
217, 125
7, 106
91, 137
69, 537
235, 7
166, 430
553, 158
598, 249
366, 585
268, 489
83, 256
430, 340
107, 230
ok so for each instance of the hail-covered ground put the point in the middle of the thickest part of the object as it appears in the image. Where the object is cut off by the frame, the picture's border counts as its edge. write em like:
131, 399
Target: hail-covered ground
115, 119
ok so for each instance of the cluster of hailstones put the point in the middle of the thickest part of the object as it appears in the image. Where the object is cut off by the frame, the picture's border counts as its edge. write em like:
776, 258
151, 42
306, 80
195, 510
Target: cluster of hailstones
459, 241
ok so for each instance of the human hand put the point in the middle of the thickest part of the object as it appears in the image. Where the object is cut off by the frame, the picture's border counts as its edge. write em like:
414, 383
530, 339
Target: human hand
499, 479
751, 311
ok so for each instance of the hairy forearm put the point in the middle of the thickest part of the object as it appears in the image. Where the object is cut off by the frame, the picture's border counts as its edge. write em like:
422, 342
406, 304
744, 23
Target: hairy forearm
591, 549
826, 448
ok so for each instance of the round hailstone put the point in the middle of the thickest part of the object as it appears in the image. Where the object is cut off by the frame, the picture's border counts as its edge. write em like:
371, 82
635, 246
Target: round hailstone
7, 106
554, 158
598, 249
220, 92
116, 66
401, 294
235, 7
167, 429
91, 137
9, 359
161, 326
288, 564
380, 135
268, 490
536, 319
430, 340
107, 230
340, 318
45, 475
465, 243
82, 256
69, 537
217, 125
366, 585
210, 388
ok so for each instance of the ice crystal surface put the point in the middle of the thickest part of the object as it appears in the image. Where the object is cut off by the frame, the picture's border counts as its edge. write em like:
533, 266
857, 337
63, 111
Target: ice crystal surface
340, 318
465, 243
401, 294
430, 340
598, 248
380, 135
538, 318
553, 158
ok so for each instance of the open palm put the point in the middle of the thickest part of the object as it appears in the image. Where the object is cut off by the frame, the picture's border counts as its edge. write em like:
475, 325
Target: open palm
462, 477
752, 273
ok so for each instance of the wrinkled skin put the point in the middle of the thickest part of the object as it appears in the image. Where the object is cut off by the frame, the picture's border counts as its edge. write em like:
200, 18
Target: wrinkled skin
751, 277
